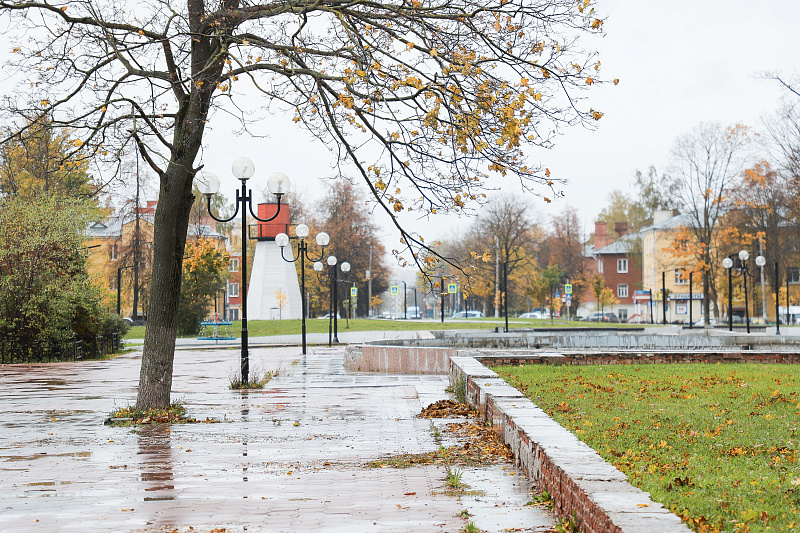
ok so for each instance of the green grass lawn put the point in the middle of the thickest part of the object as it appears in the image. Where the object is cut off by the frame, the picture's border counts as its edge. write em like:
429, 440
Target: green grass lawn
717, 444
263, 328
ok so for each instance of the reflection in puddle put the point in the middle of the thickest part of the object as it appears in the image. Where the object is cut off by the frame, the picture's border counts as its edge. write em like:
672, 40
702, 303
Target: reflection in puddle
245, 412
155, 445
81, 455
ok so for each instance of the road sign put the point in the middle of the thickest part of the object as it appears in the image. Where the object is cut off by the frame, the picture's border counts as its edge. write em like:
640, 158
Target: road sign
568, 288
452, 288
569, 303
354, 292
558, 295
395, 290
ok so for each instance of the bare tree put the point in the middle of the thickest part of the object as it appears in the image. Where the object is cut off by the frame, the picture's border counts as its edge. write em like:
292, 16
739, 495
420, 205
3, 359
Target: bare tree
426, 100
506, 229
563, 247
783, 138
706, 164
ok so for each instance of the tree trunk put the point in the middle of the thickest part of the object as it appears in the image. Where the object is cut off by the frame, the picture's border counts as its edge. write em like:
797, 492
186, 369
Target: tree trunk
169, 240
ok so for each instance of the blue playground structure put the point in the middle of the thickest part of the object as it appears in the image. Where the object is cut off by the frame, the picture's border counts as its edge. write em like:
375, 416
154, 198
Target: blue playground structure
216, 329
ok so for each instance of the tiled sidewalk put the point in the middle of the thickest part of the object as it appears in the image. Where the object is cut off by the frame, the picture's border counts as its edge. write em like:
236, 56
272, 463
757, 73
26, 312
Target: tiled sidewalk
288, 458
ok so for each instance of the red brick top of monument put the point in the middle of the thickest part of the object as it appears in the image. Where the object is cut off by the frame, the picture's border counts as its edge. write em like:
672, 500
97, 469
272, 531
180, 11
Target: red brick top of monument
268, 230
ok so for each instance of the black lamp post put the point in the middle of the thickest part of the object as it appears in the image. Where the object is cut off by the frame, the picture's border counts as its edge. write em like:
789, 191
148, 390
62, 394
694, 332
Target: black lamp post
441, 297
282, 240
744, 272
278, 183
505, 292
777, 303
332, 316
405, 300
119, 288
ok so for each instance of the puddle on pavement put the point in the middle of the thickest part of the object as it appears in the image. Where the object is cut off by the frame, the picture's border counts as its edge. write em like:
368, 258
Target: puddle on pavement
81, 455
49, 384
502, 502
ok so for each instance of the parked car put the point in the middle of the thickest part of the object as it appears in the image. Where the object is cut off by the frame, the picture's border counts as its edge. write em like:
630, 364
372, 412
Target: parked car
605, 316
468, 314
539, 315
328, 315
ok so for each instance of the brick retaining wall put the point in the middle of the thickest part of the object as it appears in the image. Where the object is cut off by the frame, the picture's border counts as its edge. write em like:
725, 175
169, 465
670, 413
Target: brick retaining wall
497, 358
398, 359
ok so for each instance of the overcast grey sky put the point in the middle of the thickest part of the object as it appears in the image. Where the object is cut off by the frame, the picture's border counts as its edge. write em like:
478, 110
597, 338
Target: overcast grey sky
680, 62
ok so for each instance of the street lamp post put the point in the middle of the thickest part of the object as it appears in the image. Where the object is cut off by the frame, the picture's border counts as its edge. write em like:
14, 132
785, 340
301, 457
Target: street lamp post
505, 291
664, 302
743, 273
441, 297
777, 303
345, 268
405, 300
282, 240
208, 184
119, 288
332, 315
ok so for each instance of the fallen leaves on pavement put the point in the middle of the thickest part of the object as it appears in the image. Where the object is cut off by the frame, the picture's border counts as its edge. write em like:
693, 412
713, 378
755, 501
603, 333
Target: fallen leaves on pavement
479, 444
448, 409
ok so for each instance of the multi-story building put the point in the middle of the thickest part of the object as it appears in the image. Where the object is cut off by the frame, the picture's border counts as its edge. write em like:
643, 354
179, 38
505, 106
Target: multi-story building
120, 256
617, 258
662, 271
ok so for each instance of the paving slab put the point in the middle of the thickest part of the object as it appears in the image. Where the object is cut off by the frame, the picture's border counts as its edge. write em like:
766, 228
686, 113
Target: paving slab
290, 457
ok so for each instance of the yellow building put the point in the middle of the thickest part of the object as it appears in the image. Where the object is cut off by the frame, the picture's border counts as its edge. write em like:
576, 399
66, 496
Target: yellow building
120, 256
660, 270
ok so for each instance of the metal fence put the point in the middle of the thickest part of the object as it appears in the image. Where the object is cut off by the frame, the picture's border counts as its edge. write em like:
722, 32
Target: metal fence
15, 351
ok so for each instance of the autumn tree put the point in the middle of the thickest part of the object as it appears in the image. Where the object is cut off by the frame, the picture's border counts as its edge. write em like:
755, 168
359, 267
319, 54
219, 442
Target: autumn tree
651, 193
39, 162
204, 273
761, 208
563, 246
424, 101
47, 199
504, 233
45, 291
344, 214
543, 285
706, 164
603, 295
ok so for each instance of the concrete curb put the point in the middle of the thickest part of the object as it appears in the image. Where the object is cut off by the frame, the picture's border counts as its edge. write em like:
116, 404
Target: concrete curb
584, 487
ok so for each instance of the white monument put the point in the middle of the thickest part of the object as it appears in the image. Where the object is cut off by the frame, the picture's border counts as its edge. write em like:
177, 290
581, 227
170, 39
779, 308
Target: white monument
273, 292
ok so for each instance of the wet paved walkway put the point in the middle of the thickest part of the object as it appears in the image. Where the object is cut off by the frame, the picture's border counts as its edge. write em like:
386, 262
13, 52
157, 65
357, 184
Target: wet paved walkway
288, 458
